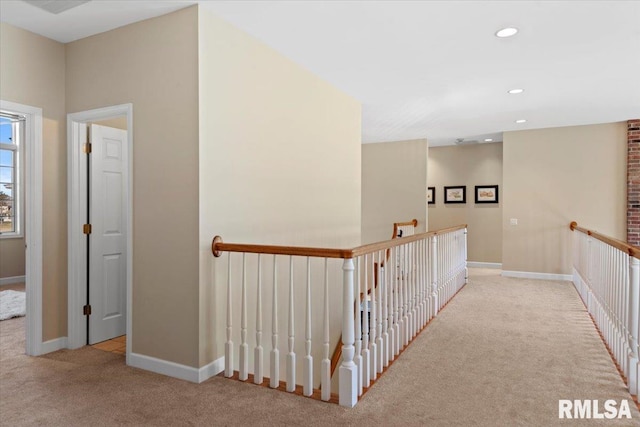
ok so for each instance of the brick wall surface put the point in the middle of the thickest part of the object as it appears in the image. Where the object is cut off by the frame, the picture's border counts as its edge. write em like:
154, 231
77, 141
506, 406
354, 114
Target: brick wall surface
633, 182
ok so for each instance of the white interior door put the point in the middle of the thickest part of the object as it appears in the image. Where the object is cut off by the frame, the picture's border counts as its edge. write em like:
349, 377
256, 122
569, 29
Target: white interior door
108, 183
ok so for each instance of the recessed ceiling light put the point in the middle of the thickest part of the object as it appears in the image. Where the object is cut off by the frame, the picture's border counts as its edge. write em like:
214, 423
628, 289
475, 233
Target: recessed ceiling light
515, 91
521, 121
506, 32
488, 140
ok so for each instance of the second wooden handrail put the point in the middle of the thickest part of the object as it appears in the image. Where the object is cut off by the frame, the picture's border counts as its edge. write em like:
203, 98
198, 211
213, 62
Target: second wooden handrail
218, 246
633, 251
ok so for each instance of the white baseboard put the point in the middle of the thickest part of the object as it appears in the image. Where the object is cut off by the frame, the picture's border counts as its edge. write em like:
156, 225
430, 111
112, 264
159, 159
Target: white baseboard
53, 345
475, 264
211, 370
538, 276
176, 370
12, 280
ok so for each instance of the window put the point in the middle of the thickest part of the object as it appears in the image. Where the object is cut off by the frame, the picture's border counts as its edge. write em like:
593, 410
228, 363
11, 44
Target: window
11, 128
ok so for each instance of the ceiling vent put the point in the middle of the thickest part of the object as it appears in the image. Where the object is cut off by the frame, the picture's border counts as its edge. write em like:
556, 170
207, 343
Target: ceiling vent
56, 6
462, 141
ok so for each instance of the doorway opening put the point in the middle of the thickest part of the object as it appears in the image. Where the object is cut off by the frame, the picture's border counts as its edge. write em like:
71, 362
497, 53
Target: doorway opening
12, 230
21, 210
100, 218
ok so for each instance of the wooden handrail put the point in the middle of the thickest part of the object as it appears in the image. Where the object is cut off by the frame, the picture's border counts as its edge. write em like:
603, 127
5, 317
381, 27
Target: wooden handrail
633, 251
218, 246
397, 225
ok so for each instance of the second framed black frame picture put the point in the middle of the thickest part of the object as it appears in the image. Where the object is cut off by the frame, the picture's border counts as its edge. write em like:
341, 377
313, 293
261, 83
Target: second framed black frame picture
455, 194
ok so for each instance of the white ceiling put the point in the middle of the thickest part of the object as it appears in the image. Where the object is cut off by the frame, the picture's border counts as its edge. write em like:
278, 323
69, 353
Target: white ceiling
429, 69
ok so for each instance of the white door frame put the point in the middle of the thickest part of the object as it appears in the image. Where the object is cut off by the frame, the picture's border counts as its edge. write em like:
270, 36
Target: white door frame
33, 222
77, 205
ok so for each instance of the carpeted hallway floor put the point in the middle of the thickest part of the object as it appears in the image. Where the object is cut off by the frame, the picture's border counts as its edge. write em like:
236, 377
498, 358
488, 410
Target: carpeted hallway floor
500, 354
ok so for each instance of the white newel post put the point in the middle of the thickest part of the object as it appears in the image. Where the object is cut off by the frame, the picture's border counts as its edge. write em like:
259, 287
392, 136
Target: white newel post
348, 370
434, 275
358, 357
634, 301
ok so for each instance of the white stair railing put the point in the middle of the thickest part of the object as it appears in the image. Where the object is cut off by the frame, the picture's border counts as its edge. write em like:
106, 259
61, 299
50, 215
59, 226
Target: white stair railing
389, 292
607, 277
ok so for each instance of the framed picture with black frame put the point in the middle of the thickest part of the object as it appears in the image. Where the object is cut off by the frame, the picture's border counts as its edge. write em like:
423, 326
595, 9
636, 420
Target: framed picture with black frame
486, 194
455, 194
431, 195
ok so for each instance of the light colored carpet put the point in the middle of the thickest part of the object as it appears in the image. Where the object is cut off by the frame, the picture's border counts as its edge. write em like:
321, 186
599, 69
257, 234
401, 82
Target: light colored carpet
500, 354
12, 304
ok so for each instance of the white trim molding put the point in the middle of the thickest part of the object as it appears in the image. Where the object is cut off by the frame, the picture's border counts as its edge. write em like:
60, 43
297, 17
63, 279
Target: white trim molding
176, 370
33, 222
12, 280
475, 264
77, 190
537, 276
54, 345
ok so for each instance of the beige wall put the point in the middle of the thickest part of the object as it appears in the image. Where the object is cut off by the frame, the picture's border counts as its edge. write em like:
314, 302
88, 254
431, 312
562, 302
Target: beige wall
32, 72
469, 165
116, 122
555, 176
394, 186
153, 64
279, 163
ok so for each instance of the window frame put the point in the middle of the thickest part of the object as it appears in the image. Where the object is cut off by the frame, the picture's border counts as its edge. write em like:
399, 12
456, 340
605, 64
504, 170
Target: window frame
17, 132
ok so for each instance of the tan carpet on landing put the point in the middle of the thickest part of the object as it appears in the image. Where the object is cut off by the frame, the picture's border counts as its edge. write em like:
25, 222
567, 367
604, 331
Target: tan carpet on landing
501, 354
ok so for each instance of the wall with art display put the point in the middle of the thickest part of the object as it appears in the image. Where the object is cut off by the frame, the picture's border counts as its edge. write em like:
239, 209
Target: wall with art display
465, 182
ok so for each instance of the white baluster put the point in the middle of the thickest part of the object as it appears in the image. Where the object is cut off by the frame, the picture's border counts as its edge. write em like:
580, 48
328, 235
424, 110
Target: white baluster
366, 364
588, 273
258, 373
405, 307
397, 328
418, 274
325, 375
633, 323
637, 335
244, 347
228, 346
348, 371
414, 286
373, 350
391, 296
626, 309
385, 310
419, 270
291, 355
274, 380
402, 295
307, 383
425, 280
410, 293
434, 275
466, 268
379, 342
